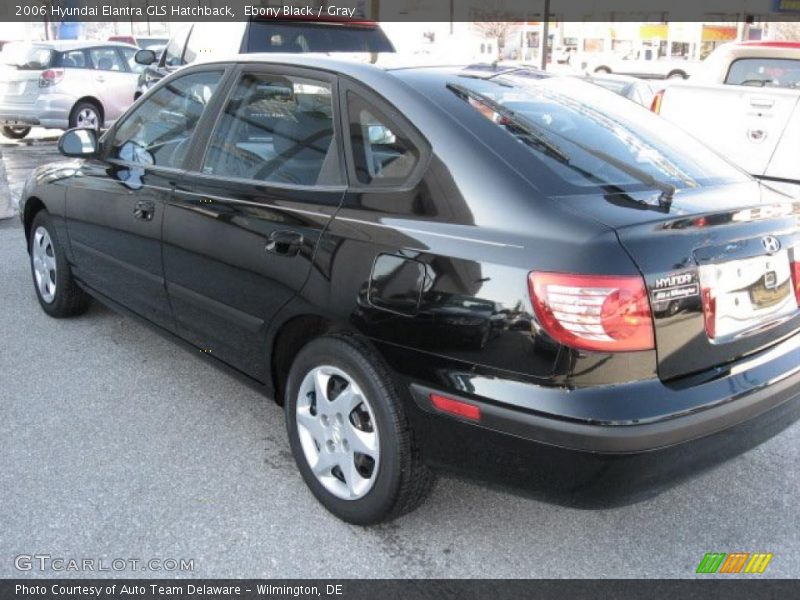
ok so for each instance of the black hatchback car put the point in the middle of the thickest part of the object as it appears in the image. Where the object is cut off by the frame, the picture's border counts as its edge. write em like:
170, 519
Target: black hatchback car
403, 255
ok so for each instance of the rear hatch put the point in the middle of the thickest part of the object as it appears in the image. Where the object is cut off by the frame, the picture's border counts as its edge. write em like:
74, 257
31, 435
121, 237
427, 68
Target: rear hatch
743, 123
718, 268
21, 66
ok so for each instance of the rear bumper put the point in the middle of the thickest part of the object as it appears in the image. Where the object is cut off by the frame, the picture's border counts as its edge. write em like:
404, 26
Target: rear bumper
49, 110
628, 418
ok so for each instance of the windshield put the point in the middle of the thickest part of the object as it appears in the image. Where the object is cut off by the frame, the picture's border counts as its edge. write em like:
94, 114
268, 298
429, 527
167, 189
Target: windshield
26, 56
589, 137
271, 36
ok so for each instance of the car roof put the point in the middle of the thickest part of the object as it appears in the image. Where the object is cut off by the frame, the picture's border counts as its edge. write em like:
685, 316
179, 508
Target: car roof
78, 44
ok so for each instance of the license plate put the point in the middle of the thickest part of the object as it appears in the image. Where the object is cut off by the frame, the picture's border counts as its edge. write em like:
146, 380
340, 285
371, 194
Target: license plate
748, 294
13, 88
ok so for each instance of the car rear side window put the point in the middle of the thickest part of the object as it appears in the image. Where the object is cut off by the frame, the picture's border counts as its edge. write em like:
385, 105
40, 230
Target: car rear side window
765, 72
276, 128
383, 154
159, 130
106, 59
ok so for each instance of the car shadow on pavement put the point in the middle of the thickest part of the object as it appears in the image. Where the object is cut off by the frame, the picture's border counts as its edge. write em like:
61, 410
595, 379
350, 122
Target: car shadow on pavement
592, 481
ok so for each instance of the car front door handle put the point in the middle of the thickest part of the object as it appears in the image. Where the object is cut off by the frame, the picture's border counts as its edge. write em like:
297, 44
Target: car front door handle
285, 243
144, 210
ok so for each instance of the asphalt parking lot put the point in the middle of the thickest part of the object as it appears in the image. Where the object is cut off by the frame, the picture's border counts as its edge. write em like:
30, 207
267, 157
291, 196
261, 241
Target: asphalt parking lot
119, 444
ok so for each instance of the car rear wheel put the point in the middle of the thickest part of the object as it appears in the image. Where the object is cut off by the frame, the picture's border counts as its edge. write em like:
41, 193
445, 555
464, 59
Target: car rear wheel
86, 115
349, 434
14, 132
602, 70
56, 289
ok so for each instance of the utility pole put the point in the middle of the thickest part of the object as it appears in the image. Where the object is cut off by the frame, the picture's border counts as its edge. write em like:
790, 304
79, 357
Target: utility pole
545, 33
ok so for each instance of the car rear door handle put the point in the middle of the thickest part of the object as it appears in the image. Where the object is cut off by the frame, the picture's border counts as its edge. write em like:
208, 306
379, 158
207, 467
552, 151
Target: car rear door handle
144, 210
285, 243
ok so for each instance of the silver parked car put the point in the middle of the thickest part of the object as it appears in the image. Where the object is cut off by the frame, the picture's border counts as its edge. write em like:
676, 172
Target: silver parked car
64, 84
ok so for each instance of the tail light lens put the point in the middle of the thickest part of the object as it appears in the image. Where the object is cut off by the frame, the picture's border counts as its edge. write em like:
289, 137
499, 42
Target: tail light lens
655, 105
709, 312
50, 77
593, 312
795, 266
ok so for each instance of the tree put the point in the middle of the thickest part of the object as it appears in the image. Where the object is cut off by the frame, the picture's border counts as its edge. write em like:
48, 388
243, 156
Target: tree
494, 22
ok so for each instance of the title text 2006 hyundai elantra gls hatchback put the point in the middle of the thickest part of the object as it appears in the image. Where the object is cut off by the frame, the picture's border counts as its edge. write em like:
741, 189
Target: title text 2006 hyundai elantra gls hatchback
392, 251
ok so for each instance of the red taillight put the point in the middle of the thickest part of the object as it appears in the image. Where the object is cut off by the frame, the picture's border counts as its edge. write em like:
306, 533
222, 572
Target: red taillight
593, 312
50, 77
709, 312
796, 280
456, 407
655, 105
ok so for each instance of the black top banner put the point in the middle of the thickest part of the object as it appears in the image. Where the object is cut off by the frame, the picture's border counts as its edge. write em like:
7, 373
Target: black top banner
400, 10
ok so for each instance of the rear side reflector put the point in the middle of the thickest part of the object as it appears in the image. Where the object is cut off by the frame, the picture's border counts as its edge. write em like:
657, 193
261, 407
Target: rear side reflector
456, 407
655, 105
593, 312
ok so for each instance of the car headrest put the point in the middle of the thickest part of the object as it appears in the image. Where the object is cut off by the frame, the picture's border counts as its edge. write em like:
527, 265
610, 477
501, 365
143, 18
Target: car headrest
303, 136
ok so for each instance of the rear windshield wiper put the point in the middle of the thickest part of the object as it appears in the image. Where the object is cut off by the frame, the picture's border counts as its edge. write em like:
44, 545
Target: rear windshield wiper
535, 135
532, 134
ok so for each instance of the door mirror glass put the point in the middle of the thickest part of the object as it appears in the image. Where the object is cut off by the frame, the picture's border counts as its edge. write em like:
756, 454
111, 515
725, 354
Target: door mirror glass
78, 143
145, 57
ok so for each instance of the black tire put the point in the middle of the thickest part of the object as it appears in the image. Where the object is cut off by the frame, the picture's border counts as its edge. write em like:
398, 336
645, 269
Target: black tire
80, 109
69, 300
15, 133
402, 480
605, 70
677, 74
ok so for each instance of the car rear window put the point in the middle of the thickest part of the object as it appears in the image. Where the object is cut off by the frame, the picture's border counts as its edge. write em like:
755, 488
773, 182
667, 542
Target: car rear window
589, 138
271, 36
26, 56
765, 72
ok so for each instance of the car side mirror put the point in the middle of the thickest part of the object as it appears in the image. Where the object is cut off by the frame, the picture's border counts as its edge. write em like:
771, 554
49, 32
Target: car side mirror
145, 57
79, 143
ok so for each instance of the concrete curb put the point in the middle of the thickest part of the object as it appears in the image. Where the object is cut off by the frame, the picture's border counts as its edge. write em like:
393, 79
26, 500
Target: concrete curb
6, 207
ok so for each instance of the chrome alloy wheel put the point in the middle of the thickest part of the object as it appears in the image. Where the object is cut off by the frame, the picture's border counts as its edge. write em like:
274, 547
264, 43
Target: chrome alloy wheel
338, 432
88, 119
43, 258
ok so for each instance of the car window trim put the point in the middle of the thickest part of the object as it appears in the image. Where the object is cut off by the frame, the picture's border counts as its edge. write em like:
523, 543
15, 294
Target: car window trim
196, 165
106, 139
385, 107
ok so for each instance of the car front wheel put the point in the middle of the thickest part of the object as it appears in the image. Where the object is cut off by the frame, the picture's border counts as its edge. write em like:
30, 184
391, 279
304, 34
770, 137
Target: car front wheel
15, 132
349, 434
55, 287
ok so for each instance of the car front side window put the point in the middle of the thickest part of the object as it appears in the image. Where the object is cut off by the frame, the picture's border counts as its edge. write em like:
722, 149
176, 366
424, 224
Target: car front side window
276, 128
159, 130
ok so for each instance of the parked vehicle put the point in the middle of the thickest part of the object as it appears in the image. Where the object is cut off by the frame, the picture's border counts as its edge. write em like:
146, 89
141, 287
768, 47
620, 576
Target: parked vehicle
638, 90
644, 62
745, 104
307, 222
204, 41
64, 84
138, 41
